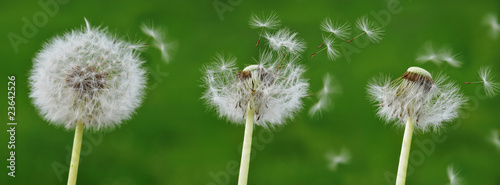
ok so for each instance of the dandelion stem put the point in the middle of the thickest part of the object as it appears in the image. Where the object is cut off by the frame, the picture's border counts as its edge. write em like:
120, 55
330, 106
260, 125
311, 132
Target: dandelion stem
324, 42
356, 37
405, 152
247, 146
260, 35
317, 52
473, 82
75, 155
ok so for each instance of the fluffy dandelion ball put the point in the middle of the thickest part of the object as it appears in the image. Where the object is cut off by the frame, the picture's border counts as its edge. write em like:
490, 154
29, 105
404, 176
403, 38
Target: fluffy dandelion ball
89, 76
417, 96
273, 89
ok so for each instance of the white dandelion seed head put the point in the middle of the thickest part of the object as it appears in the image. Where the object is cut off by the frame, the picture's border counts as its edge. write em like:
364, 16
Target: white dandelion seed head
339, 30
285, 41
490, 87
336, 158
453, 175
416, 96
274, 90
331, 51
491, 21
372, 31
159, 41
271, 21
87, 75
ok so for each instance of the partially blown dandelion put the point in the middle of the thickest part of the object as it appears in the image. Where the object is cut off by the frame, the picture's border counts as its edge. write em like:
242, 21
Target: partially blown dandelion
415, 100
87, 79
490, 87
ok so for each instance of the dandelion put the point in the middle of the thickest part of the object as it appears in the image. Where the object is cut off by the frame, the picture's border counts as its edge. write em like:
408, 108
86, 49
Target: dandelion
415, 100
264, 22
491, 21
336, 29
324, 96
372, 31
490, 87
343, 157
87, 79
266, 93
159, 41
284, 41
453, 175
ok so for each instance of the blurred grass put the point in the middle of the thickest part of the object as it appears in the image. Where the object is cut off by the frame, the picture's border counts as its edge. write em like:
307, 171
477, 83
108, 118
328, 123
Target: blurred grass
174, 139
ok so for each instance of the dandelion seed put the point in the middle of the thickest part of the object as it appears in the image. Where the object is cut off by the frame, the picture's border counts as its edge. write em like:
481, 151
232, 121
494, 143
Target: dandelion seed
450, 58
453, 175
331, 51
492, 21
415, 100
490, 86
334, 28
429, 54
324, 96
495, 140
343, 157
264, 22
285, 41
271, 21
159, 41
372, 31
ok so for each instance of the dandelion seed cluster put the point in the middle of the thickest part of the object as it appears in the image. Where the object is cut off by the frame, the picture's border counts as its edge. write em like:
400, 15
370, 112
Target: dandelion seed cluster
417, 96
87, 75
273, 89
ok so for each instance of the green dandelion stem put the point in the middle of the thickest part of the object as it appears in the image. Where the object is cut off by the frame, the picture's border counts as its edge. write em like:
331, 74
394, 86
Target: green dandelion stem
75, 155
405, 152
247, 146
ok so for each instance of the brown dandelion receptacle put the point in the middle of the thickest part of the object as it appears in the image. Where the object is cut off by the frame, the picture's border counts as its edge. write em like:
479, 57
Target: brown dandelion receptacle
86, 80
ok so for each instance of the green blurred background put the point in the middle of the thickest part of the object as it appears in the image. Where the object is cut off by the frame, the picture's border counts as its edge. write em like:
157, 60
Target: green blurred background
174, 139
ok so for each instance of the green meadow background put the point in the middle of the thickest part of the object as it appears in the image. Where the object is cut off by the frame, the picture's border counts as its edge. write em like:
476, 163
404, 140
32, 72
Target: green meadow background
175, 139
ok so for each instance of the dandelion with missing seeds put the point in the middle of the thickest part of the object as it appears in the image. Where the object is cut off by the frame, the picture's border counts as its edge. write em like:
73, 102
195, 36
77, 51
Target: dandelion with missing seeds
266, 93
87, 79
415, 100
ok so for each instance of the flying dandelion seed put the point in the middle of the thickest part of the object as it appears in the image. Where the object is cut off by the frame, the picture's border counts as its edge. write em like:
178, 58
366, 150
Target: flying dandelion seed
495, 140
429, 54
336, 29
262, 22
491, 21
331, 51
370, 29
445, 55
490, 86
335, 159
453, 175
159, 41
415, 100
324, 96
